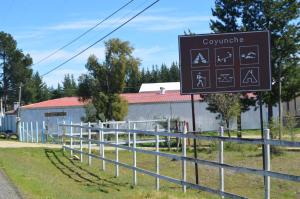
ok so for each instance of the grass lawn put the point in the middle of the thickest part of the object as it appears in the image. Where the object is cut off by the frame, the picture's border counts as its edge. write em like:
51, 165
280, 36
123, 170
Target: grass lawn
50, 173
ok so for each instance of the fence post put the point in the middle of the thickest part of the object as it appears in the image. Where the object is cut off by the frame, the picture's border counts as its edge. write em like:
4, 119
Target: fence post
20, 131
169, 131
71, 140
184, 155
37, 131
90, 144
221, 161
31, 131
129, 133
23, 131
117, 151
100, 138
27, 134
81, 158
103, 148
134, 156
267, 163
43, 132
63, 135
157, 158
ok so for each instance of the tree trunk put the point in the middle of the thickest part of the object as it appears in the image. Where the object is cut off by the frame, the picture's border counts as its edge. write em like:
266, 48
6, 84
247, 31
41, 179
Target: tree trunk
270, 113
227, 128
239, 124
5, 85
295, 106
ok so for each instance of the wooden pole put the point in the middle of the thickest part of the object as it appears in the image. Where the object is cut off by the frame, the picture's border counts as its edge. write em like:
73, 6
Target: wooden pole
195, 141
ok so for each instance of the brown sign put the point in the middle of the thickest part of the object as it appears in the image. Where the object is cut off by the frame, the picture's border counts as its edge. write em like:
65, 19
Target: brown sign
55, 114
228, 62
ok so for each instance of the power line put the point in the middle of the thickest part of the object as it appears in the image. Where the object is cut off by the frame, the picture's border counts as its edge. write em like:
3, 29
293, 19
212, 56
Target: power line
114, 30
86, 32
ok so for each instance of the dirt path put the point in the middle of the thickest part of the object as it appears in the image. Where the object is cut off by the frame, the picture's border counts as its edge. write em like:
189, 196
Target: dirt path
7, 189
14, 144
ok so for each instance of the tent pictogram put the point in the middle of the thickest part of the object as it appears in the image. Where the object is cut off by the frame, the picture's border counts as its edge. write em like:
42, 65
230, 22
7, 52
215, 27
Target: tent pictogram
200, 59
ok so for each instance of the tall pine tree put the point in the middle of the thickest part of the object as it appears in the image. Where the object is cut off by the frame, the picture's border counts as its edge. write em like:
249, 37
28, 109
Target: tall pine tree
16, 69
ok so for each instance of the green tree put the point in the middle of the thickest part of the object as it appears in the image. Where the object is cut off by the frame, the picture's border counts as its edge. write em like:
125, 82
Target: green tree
90, 113
35, 90
226, 105
228, 13
56, 92
174, 73
105, 81
280, 18
164, 73
69, 86
133, 76
291, 86
15, 69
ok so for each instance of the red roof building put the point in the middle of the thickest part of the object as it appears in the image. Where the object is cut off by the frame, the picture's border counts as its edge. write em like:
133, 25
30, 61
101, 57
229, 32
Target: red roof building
132, 98
157, 97
54, 103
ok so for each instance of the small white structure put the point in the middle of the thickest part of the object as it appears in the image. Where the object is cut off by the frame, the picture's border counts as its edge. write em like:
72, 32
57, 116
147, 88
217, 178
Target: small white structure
154, 87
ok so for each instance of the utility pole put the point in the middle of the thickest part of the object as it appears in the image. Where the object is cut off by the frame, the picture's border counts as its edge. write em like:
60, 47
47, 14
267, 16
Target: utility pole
279, 104
18, 110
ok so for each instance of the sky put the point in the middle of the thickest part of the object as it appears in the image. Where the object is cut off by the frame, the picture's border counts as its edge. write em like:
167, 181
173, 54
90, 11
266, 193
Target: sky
41, 27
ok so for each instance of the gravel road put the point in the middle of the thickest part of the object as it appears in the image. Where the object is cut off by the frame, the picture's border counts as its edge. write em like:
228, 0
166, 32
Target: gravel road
14, 144
7, 189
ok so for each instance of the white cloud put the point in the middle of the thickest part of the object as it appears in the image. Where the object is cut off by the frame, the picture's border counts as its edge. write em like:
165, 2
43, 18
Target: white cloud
75, 66
147, 53
162, 23
83, 24
153, 55
63, 55
57, 76
153, 23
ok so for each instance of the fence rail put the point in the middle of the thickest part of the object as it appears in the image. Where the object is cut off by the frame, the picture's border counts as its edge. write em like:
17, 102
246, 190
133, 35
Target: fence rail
117, 144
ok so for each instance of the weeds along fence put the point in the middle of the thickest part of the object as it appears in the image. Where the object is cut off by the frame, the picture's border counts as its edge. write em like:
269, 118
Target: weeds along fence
121, 140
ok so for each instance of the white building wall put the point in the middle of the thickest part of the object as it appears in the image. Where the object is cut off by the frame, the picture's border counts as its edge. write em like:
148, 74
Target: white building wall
73, 114
205, 120
8, 123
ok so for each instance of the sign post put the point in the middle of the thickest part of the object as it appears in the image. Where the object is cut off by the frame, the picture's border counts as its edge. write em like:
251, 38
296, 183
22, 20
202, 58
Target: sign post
227, 62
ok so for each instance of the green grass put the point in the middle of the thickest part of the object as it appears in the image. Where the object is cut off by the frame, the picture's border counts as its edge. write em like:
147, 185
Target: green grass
50, 173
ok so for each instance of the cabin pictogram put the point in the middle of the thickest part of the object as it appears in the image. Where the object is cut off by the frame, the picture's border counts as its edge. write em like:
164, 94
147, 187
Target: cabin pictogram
250, 78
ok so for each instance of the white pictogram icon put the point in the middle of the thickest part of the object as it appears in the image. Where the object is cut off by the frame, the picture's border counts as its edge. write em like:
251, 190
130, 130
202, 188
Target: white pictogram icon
201, 81
224, 59
249, 55
200, 59
249, 78
225, 78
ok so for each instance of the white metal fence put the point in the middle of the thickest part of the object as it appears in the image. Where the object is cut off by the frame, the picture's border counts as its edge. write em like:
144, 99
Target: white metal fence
36, 132
101, 141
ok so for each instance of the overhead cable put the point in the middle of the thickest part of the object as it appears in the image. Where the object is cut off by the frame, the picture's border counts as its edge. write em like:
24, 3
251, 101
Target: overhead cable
83, 34
102, 38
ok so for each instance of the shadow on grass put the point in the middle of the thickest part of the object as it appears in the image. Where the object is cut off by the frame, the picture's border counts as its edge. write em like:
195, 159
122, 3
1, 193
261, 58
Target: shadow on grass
77, 173
77, 164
